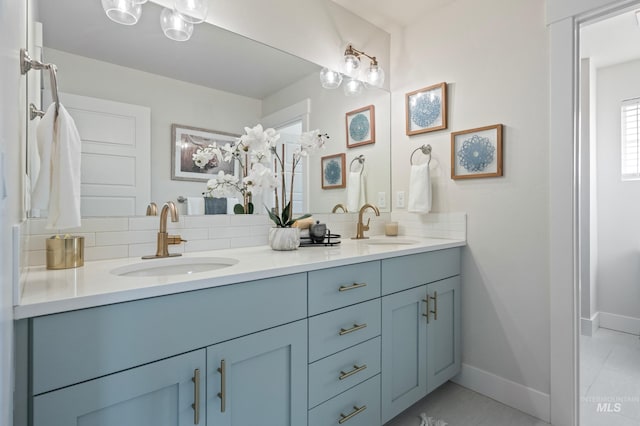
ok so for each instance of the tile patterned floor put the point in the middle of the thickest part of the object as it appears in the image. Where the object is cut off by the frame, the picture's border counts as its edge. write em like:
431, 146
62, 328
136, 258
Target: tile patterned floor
460, 406
609, 379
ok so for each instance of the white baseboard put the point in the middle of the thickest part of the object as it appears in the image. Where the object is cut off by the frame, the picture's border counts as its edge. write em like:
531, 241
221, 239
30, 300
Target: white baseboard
619, 323
589, 326
510, 393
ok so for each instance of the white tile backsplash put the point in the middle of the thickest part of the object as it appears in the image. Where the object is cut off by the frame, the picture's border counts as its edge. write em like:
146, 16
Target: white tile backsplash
110, 238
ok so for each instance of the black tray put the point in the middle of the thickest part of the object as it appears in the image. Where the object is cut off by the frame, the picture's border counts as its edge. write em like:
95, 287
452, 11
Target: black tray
329, 240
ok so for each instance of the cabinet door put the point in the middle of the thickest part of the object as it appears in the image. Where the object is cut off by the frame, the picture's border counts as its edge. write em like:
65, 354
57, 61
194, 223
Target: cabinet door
404, 362
156, 394
260, 379
443, 332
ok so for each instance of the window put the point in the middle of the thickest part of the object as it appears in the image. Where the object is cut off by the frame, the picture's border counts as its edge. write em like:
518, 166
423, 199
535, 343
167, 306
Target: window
631, 139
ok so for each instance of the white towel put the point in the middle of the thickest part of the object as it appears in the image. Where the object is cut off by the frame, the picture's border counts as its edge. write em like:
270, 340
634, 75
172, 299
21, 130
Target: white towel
419, 189
231, 202
58, 185
195, 205
356, 191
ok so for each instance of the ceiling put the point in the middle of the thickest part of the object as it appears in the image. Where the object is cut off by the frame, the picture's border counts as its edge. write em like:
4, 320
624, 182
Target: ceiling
213, 57
611, 41
388, 14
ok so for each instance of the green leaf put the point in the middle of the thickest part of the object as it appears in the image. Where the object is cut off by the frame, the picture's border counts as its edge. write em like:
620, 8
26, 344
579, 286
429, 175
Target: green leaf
250, 208
285, 214
238, 209
274, 218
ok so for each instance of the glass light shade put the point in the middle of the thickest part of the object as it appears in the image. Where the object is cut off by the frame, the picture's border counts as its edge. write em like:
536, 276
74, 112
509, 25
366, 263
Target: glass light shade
351, 65
330, 79
375, 76
125, 12
353, 87
174, 27
192, 11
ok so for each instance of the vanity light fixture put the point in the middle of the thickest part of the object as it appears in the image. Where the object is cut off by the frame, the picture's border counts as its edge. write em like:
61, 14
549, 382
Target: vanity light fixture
176, 23
353, 87
174, 26
330, 79
192, 11
125, 12
374, 75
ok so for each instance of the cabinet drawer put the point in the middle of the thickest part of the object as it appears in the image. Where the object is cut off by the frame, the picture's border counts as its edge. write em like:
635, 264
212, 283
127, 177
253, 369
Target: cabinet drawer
343, 286
362, 403
79, 345
334, 331
401, 273
337, 373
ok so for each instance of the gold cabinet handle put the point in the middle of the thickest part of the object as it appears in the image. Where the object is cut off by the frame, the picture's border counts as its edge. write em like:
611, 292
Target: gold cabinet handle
435, 305
355, 412
223, 386
355, 327
427, 302
355, 370
196, 398
352, 286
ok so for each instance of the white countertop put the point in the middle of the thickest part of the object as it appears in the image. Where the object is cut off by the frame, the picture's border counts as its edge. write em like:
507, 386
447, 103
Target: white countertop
52, 291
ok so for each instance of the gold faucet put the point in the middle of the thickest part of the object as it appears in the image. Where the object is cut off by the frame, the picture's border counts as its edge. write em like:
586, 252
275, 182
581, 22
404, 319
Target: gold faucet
152, 209
339, 206
361, 227
164, 239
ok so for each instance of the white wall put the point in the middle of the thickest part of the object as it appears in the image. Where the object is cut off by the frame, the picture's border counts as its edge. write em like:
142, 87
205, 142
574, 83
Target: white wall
12, 89
618, 273
171, 101
494, 55
328, 109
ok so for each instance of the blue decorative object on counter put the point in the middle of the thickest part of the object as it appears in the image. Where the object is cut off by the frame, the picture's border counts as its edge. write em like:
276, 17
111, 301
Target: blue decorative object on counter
476, 153
214, 205
359, 127
426, 110
333, 172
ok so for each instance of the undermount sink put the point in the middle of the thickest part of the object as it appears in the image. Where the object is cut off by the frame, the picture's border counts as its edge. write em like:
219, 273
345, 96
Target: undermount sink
173, 266
390, 241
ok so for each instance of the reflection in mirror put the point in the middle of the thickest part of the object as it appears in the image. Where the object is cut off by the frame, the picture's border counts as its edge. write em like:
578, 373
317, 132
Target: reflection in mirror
126, 85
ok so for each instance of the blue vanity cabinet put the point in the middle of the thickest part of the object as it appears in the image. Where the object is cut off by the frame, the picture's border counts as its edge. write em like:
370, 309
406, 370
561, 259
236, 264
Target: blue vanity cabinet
260, 379
420, 327
170, 392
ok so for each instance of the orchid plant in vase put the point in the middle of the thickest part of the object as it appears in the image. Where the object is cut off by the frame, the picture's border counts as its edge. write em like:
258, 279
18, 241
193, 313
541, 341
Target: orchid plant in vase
263, 170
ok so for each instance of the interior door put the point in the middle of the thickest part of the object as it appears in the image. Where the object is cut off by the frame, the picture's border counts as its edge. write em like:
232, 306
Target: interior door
116, 155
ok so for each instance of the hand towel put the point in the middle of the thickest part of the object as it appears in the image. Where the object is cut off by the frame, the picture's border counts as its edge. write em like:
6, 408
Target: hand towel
58, 185
231, 202
356, 191
64, 200
419, 189
44, 140
195, 205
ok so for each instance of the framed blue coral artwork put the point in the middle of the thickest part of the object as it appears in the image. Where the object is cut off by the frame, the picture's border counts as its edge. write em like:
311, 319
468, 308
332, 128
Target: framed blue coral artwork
477, 153
361, 126
426, 109
333, 171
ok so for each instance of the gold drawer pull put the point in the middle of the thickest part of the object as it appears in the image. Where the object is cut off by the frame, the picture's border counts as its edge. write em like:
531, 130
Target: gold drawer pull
352, 287
355, 370
435, 305
355, 412
427, 302
355, 327
223, 386
196, 396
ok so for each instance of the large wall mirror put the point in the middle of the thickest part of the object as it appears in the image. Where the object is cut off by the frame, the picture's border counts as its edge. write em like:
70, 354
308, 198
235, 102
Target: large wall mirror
126, 85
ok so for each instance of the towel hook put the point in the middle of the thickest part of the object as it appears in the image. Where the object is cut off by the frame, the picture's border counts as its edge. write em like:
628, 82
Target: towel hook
426, 150
360, 159
27, 64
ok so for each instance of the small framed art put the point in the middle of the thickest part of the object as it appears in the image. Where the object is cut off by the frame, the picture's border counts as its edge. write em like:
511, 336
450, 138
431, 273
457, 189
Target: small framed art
361, 126
477, 153
187, 141
333, 171
426, 109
